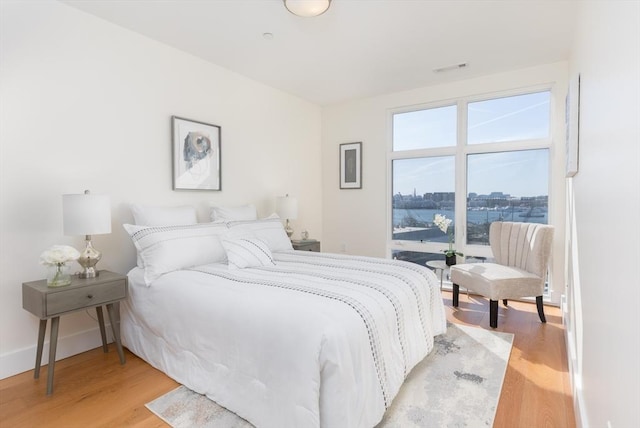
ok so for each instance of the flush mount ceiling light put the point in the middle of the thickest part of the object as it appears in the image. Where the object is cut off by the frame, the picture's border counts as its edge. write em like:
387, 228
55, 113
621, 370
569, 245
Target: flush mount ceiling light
307, 8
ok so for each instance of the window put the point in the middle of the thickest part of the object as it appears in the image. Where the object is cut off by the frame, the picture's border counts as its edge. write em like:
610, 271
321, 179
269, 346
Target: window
506, 186
422, 187
492, 166
421, 129
517, 118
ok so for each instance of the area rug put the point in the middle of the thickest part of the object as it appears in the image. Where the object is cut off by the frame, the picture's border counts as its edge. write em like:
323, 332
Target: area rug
457, 385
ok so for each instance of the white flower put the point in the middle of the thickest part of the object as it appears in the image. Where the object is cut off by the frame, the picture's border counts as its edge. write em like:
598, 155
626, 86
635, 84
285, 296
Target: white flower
442, 222
58, 255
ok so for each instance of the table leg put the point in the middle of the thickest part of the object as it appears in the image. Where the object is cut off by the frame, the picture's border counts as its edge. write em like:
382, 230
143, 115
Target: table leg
115, 326
53, 344
41, 332
103, 332
456, 292
441, 274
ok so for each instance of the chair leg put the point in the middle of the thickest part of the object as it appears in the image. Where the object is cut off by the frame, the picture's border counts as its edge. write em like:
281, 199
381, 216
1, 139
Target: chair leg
493, 313
456, 292
540, 309
505, 302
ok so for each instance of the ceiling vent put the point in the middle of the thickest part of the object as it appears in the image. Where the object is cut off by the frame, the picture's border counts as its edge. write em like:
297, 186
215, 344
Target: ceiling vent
451, 67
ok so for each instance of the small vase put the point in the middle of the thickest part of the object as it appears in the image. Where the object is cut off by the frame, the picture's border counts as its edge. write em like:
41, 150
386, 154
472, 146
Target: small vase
58, 275
450, 260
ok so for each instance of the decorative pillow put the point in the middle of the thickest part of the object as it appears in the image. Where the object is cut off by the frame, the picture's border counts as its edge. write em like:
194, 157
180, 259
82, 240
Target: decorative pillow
247, 252
268, 230
163, 216
245, 212
165, 249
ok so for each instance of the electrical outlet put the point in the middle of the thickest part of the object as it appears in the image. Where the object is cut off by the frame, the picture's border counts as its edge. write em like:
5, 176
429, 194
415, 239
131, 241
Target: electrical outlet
343, 248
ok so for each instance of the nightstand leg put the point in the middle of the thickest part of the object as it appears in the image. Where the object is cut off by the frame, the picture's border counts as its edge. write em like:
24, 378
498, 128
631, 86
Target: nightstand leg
53, 344
115, 326
103, 332
41, 331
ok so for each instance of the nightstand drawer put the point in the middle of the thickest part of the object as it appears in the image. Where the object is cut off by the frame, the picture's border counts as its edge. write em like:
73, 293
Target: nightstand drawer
91, 295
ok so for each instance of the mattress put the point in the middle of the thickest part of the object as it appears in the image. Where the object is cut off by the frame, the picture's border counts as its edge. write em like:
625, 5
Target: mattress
316, 340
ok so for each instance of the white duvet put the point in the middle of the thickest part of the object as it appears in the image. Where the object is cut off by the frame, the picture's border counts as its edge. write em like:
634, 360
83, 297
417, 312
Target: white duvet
318, 340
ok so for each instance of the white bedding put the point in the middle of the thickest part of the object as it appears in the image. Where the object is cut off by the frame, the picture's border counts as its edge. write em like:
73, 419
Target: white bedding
318, 340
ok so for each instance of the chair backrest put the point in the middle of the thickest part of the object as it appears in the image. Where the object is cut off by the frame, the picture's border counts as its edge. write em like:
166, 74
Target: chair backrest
523, 245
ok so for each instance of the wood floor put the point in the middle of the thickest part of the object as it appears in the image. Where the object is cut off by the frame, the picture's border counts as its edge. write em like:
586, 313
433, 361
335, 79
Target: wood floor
93, 390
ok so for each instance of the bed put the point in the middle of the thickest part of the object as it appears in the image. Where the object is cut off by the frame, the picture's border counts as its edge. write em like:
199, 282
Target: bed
282, 338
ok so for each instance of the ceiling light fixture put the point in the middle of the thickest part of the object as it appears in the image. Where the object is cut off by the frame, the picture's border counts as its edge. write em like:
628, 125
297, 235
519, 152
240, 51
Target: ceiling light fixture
307, 8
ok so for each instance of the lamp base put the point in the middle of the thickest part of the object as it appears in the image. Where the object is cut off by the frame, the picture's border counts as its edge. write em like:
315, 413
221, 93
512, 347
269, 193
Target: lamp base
89, 273
88, 260
288, 229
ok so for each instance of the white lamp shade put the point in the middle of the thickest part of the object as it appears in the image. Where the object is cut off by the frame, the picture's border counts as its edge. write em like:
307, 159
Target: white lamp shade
307, 8
86, 214
287, 207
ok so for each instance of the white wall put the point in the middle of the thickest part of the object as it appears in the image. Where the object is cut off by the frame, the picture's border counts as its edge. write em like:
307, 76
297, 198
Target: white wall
358, 218
606, 203
87, 105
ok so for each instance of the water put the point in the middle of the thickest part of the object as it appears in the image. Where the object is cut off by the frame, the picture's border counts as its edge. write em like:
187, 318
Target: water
476, 217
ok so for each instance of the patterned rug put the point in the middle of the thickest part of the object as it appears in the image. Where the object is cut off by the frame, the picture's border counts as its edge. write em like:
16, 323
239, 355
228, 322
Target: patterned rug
457, 385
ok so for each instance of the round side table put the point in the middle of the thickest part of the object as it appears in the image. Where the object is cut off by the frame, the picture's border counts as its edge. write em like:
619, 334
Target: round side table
442, 266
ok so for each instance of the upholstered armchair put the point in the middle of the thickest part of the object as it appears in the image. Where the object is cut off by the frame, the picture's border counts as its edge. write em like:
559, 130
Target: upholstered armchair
521, 251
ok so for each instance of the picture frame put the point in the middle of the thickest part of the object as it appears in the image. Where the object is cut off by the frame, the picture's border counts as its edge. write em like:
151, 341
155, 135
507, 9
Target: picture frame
195, 155
351, 165
572, 123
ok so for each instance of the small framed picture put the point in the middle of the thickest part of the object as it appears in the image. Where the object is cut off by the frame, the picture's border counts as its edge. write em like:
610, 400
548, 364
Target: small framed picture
351, 166
196, 155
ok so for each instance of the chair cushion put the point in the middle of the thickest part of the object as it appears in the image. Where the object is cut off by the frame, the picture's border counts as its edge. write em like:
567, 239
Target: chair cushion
496, 281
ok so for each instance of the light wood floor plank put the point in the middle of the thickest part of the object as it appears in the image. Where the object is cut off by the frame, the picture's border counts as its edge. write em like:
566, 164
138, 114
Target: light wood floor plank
93, 390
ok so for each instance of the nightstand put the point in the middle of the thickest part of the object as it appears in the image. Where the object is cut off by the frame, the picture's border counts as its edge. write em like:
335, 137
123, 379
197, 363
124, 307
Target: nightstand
51, 302
306, 245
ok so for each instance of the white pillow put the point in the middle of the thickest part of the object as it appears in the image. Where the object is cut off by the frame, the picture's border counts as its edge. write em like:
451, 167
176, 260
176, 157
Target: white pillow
247, 252
165, 249
144, 215
245, 212
268, 230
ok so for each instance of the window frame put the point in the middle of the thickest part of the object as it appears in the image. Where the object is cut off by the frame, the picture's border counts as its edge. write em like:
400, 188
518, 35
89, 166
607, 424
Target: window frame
460, 152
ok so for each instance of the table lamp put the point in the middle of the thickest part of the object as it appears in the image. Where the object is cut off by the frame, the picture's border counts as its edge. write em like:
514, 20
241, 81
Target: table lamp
87, 214
287, 208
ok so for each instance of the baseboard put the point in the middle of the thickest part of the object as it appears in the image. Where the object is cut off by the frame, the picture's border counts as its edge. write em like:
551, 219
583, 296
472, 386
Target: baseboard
575, 378
23, 360
579, 410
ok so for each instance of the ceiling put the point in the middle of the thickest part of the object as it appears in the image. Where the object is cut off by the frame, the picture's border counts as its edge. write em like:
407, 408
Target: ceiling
358, 48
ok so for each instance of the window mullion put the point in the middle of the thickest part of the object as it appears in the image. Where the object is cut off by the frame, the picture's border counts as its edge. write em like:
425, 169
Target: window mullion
461, 178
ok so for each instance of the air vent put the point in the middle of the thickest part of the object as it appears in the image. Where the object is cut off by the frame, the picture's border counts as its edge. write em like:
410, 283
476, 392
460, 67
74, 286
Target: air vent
451, 67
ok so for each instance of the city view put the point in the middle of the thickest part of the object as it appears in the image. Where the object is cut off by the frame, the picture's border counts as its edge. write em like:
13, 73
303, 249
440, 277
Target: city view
413, 214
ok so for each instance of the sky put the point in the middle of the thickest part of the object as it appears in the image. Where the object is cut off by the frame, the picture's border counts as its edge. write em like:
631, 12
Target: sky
523, 173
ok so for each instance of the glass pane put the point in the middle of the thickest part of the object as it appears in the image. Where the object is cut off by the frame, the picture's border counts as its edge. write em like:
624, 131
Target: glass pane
507, 186
425, 129
422, 188
522, 117
416, 257
478, 259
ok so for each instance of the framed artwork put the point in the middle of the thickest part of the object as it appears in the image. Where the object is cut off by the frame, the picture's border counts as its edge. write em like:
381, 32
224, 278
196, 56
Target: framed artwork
572, 123
196, 155
351, 166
